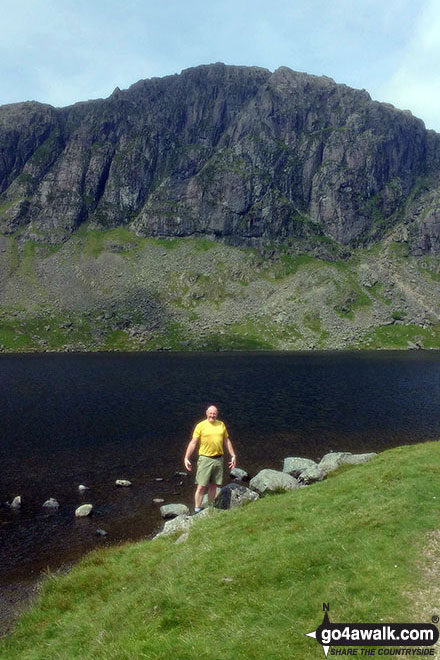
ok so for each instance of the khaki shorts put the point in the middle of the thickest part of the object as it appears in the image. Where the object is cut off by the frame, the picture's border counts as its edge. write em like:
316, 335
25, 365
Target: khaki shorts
209, 470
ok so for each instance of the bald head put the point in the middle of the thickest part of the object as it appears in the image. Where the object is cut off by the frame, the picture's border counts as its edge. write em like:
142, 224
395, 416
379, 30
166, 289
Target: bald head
211, 413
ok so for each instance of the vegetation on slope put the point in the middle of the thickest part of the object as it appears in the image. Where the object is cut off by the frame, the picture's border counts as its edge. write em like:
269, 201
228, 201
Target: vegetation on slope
112, 290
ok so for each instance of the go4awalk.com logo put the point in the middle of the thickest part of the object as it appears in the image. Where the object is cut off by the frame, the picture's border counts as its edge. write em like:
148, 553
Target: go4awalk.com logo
413, 639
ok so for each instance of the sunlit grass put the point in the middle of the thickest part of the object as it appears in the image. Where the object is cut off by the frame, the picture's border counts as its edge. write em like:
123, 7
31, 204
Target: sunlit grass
249, 583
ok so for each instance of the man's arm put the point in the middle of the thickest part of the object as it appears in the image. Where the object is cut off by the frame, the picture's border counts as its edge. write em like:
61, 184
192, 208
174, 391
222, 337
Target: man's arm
189, 452
233, 462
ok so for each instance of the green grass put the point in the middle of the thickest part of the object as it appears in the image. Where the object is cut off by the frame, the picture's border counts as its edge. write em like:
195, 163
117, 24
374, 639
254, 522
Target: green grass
44, 332
353, 299
231, 340
254, 334
94, 241
312, 321
397, 336
430, 267
248, 584
288, 264
167, 243
203, 244
5, 206
117, 340
400, 250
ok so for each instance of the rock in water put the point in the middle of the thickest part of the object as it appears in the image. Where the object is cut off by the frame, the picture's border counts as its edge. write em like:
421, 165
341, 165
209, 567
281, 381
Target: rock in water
16, 502
123, 482
51, 503
83, 510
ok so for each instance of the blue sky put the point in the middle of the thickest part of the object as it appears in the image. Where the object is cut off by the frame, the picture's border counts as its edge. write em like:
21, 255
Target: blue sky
63, 51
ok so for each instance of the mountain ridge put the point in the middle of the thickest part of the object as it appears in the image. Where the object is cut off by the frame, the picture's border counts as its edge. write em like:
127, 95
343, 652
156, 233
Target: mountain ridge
219, 150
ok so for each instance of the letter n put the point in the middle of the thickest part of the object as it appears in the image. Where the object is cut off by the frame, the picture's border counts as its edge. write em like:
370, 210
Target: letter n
326, 607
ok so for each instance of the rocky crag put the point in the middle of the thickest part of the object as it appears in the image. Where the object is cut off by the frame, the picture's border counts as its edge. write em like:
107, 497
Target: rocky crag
225, 207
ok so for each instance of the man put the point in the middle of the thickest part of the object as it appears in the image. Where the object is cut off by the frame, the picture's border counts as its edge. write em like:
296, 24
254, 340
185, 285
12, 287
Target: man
213, 437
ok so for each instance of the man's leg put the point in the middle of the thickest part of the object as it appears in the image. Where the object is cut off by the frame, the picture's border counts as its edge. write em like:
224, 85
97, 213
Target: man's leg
198, 496
216, 479
212, 492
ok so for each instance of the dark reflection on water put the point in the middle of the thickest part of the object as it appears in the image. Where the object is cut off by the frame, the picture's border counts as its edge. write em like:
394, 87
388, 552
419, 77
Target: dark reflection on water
71, 419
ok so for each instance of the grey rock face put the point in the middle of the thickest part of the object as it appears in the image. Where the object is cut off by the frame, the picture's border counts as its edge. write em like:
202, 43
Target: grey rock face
219, 150
234, 495
272, 481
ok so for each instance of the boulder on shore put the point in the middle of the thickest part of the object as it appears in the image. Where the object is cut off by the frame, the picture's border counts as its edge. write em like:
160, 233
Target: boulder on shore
234, 495
272, 481
173, 510
238, 473
184, 522
330, 462
180, 523
294, 465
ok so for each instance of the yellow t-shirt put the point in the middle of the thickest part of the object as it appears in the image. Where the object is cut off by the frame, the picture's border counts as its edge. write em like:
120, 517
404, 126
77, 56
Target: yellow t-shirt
211, 436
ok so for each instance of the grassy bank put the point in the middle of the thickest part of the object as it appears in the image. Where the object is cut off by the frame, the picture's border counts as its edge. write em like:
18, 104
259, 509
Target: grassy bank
248, 584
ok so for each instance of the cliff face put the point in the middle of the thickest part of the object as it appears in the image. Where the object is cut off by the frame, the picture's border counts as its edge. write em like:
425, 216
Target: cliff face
220, 150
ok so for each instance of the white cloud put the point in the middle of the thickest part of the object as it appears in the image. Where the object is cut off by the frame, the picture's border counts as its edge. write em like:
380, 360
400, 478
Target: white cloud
63, 51
415, 83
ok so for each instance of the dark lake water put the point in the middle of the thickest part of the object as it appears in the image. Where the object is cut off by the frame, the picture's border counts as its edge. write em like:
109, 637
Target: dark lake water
93, 418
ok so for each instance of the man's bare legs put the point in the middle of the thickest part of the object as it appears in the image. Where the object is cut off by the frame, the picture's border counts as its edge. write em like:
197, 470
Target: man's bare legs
200, 491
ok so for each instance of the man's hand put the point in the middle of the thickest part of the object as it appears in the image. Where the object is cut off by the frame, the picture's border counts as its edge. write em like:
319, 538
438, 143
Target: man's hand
189, 452
232, 463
